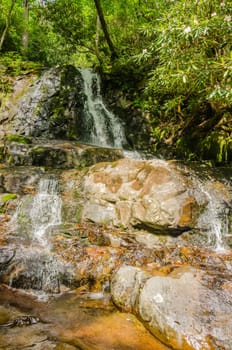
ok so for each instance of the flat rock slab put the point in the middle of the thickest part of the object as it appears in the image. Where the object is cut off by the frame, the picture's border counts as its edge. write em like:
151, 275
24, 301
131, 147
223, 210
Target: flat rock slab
62, 154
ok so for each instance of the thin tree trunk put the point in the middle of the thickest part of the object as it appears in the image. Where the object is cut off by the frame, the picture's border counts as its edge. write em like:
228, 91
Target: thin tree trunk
8, 19
97, 35
25, 37
98, 25
105, 29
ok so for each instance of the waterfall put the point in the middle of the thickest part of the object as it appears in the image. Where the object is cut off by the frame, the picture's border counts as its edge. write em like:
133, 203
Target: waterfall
214, 219
35, 219
46, 210
102, 127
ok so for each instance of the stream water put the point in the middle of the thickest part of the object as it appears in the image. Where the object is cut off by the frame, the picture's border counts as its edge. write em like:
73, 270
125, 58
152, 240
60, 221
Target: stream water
45, 212
215, 220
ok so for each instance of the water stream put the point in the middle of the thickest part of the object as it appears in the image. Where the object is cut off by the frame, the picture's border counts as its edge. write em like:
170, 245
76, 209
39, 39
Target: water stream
102, 127
215, 220
45, 212
35, 219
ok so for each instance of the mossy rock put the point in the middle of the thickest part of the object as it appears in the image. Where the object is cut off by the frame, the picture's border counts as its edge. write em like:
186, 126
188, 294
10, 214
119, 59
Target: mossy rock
98, 155
4, 199
18, 138
8, 197
47, 156
217, 147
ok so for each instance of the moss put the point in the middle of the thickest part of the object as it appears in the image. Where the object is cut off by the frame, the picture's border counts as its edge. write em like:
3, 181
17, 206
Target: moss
38, 149
79, 215
58, 113
2, 153
4, 199
11, 160
8, 197
76, 194
18, 138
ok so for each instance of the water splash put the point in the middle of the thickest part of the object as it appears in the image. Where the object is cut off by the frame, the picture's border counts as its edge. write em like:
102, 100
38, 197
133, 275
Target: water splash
133, 155
102, 127
46, 210
39, 270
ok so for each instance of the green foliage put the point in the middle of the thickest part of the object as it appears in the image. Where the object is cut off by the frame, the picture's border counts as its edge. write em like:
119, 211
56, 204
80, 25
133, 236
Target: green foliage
217, 147
12, 65
194, 57
174, 63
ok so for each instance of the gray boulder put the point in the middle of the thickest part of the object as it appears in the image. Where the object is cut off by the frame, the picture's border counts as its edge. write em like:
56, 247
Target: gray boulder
185, 309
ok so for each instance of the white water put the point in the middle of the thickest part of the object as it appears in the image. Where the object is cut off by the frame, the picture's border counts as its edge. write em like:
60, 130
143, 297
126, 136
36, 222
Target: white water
214, 220
46, 210
103, 127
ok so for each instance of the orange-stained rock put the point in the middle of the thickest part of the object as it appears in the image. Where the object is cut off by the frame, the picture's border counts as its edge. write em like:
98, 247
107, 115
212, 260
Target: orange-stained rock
189, 212
153, 193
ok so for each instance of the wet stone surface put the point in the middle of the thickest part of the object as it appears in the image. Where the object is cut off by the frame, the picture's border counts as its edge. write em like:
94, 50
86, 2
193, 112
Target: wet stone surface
71, 321
78, 267
71, 266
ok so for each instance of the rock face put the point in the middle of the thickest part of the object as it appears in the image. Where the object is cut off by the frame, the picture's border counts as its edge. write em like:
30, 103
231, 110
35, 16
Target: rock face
186, 309
54, 153
48, 107
152, 194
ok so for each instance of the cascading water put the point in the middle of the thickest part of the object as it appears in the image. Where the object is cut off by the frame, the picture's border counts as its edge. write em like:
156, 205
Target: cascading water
210, 189
46, 210
102, 127
214, 218
41, 270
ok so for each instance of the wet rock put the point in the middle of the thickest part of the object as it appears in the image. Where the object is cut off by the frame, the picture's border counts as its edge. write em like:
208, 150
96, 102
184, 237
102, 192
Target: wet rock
185, 309
125, 286
150, 194
48, 107
6, 256
19, 180
56, 153
35, 269
72, 321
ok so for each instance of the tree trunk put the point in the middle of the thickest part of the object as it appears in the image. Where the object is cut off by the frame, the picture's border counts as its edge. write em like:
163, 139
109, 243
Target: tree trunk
25, 37
105, 29
98, 25
97, 35
8, 19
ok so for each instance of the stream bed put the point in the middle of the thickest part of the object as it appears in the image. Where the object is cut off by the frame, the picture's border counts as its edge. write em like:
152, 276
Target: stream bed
104, 248
71, 321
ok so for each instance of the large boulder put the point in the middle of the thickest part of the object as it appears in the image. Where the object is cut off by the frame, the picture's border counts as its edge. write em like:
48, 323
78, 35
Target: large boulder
152, 194
186, 309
